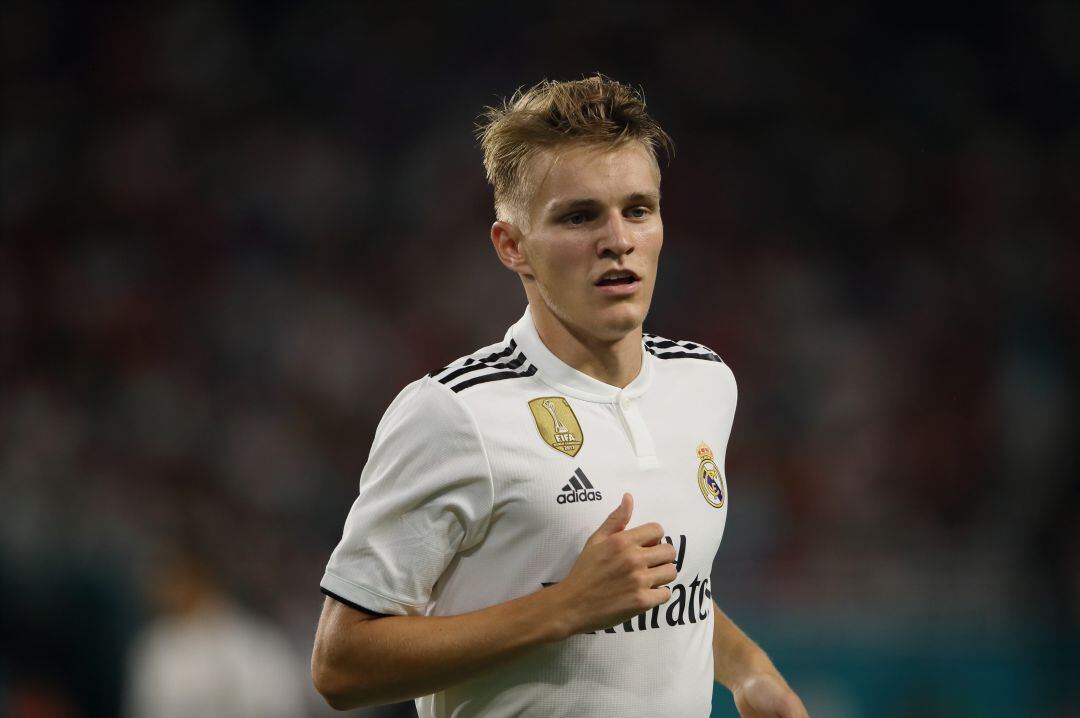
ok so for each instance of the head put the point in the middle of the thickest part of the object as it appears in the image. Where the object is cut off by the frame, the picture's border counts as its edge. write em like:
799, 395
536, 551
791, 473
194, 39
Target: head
577, 201
182, 580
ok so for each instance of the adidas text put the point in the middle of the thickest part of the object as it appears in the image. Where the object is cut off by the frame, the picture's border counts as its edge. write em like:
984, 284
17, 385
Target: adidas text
572, 497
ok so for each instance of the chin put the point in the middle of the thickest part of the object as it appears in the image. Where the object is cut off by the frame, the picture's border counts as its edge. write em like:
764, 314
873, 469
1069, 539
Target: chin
616, 322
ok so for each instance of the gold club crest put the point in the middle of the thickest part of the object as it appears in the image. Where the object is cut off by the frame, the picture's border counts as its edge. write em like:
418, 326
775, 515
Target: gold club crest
557, 424
710, 478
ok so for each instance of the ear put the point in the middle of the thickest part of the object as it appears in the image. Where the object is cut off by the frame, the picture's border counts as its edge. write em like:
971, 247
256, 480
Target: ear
507, 240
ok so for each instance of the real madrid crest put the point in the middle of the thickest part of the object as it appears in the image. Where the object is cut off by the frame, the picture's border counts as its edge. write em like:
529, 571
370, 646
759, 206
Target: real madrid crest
557, 424
710, 478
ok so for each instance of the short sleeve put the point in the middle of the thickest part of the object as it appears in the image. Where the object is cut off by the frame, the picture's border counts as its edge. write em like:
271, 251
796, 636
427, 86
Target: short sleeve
727, 396
425, 494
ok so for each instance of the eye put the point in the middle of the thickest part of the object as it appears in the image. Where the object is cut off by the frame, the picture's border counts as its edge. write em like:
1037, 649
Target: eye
637, 212
576, 218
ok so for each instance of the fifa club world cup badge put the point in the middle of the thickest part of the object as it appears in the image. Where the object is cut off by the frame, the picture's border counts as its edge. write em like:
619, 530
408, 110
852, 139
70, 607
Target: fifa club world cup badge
710, 479
557, 424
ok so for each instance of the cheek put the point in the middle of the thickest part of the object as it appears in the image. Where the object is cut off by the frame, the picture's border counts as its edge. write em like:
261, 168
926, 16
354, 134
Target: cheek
651, 240
564, 260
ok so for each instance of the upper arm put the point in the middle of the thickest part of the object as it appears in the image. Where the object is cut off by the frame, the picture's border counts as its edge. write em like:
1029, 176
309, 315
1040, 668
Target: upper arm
339, 635
425, 494
339, 626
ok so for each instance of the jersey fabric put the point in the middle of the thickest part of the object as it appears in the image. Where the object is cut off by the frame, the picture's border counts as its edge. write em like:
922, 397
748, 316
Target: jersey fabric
486, 477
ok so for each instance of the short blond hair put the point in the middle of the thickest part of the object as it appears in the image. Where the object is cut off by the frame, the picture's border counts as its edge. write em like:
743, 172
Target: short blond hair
592, 110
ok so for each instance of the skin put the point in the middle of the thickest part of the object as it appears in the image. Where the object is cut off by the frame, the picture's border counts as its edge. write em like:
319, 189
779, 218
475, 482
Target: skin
593, 209
360, 659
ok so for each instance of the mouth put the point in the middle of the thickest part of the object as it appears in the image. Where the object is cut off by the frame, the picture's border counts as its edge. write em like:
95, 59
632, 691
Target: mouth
617, 277
618, 283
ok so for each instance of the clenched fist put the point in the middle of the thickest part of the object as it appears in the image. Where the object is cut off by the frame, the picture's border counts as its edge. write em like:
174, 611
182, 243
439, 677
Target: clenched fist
620, 572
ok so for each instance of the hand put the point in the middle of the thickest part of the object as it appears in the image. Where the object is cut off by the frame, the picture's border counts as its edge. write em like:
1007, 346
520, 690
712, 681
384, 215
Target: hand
766, 696
619, 574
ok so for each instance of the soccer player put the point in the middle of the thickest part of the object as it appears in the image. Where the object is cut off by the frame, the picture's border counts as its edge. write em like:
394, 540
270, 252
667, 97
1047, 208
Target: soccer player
536, 524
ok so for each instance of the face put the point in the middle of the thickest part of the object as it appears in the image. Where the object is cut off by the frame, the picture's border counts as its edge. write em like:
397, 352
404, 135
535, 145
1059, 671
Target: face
589, 252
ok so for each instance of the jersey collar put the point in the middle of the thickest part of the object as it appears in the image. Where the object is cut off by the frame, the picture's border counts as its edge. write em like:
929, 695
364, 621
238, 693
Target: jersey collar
556, 373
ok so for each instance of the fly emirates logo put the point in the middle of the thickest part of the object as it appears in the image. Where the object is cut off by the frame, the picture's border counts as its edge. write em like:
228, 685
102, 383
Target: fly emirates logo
690, 602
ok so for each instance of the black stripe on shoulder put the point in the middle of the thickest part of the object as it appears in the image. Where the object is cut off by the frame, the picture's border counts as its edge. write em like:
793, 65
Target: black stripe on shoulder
661, 343
662, 348
688, 355
512, 364
350, 604
440, 370
507, 351
497, 376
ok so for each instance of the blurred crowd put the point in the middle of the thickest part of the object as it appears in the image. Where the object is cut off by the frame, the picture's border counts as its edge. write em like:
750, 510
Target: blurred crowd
232, 233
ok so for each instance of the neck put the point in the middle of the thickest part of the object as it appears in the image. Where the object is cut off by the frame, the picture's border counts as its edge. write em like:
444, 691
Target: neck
615, 362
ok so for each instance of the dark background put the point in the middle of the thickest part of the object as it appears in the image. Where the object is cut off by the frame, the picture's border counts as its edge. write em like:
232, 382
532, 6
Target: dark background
232, 233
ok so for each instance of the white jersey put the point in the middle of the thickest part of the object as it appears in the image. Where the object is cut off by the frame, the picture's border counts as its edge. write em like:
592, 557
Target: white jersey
484, 481
217, 661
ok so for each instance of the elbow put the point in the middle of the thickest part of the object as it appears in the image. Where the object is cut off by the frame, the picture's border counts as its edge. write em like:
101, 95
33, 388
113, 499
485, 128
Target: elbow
320, 678
336, 702
344, 667
334, 699
331, 684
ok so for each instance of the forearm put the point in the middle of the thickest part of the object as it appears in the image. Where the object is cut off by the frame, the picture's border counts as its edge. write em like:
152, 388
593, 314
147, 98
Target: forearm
361, 660
735, 656
381, 660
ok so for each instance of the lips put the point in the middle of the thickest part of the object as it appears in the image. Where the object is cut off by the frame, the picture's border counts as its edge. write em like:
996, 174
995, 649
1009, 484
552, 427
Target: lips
616, 283
617, 277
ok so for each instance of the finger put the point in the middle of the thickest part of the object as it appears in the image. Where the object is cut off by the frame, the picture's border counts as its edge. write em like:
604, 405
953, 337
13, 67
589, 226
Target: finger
646, 534
795, 707
661, 575
659, 554
789, 708
616, 520
658, 596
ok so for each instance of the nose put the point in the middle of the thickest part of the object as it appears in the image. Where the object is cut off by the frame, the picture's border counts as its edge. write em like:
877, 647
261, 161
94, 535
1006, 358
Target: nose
616, 239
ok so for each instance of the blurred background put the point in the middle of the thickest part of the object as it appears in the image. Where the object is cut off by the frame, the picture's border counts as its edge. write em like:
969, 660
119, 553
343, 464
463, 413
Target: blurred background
231, 233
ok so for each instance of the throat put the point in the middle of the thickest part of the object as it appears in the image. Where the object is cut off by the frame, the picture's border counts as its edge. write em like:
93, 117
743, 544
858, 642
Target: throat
616, 363
613, 369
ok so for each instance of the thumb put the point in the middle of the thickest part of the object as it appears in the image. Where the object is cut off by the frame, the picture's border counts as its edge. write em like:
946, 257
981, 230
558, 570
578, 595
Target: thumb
616, 520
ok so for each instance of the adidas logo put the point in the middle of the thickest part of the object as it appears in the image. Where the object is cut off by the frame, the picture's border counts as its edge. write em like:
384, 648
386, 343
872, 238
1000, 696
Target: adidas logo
579, 489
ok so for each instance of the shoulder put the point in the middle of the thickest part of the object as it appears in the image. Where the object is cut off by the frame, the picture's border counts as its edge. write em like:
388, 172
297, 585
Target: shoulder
683, 354
496, 362
437, 400
428, 414
663, 348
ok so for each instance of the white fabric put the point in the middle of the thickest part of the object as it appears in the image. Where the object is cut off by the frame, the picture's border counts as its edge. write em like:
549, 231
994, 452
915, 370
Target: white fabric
458, 510
217, 662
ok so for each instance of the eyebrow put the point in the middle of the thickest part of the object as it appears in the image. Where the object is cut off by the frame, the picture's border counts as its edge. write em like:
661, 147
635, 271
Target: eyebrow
583, 202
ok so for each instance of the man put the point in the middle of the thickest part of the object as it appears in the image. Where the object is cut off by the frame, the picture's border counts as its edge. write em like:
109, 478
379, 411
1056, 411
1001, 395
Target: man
489, 566
205, 654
